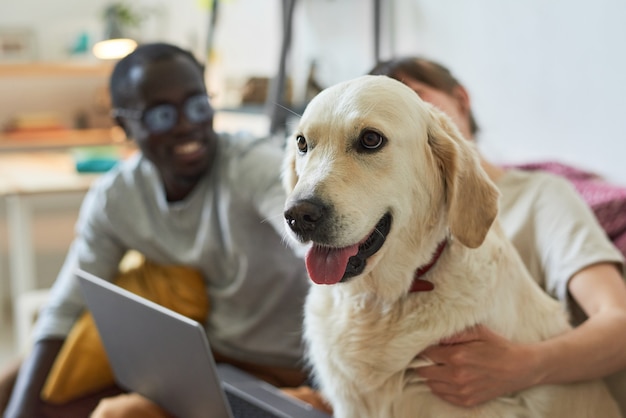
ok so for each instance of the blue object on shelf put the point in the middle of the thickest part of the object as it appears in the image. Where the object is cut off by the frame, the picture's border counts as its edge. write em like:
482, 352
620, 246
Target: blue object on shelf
98, 159
96, 165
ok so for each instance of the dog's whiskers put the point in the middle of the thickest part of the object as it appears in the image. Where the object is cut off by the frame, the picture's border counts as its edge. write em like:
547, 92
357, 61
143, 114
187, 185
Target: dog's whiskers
376, 230
269, 218
287, 109
285, 239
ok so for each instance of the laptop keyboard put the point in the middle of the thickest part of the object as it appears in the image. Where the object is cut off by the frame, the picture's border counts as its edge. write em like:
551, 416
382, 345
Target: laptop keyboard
243, 408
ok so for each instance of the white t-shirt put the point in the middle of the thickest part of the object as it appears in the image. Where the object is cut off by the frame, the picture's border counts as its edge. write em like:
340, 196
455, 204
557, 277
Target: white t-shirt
556, 235
554, 230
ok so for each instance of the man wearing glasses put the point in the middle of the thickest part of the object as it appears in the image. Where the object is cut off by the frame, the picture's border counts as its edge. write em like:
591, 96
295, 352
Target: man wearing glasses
191, 197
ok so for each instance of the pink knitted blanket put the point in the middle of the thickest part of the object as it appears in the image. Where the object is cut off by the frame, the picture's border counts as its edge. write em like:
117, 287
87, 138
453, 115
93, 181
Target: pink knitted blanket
607, 200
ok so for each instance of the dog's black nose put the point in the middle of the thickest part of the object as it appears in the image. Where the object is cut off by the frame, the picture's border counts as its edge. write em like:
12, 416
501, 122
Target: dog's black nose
303, 217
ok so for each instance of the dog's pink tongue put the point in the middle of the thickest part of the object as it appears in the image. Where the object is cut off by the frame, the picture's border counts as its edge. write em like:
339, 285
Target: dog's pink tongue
327, 265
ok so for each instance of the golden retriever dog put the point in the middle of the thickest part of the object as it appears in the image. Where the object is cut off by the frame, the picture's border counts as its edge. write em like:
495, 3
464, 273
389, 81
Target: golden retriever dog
385, 190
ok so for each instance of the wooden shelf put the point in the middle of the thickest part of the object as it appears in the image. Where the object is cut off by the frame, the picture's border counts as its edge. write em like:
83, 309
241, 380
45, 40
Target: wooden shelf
58, 139
60, 69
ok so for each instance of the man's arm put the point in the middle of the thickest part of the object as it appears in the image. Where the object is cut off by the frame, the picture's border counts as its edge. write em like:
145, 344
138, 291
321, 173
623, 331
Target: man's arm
479, 365
25, 399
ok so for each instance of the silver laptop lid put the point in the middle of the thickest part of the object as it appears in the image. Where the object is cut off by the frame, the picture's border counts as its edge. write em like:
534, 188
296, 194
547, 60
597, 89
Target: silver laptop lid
166, 357
172, 352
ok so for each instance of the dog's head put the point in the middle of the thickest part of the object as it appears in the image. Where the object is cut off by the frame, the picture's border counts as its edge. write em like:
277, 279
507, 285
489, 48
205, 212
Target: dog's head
371, 168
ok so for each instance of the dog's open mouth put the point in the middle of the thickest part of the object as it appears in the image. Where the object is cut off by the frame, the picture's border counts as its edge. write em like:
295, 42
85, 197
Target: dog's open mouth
327, 265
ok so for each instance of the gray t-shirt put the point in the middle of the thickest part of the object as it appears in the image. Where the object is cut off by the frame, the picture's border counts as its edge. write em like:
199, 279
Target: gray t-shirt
230, 228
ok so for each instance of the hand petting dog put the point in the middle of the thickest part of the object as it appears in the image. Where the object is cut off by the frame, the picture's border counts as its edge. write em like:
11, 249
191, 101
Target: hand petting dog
476, 366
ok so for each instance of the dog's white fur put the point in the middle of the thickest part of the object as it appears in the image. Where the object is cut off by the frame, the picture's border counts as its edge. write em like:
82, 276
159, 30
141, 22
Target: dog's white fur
363, 335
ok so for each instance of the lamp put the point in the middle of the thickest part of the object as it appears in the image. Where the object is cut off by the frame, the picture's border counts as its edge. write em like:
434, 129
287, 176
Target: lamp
115, 45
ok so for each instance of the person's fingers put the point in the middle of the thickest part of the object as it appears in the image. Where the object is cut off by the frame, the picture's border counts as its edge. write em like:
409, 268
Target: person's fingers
440, 354
464, 395
435, 373
310, 396
475, 333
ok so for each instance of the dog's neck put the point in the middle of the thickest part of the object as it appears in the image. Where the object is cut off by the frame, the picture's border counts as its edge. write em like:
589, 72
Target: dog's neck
420, 285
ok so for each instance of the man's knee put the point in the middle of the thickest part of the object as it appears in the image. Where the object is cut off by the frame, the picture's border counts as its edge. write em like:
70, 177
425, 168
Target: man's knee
128, 406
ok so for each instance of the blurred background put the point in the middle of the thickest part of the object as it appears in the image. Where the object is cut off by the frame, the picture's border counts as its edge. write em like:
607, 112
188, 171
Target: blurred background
547, 80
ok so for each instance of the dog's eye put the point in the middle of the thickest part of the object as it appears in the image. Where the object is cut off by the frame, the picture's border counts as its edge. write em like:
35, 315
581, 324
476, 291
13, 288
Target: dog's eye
301, 143
371, 140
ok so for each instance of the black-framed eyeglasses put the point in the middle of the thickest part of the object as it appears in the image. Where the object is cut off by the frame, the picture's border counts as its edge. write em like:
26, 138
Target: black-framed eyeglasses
164, 117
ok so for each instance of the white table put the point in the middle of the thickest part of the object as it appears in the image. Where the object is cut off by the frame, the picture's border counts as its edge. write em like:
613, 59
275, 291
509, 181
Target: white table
25, 177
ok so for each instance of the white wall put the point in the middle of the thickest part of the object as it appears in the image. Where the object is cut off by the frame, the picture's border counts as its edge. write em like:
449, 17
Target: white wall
56, 24
247, 43
547, 77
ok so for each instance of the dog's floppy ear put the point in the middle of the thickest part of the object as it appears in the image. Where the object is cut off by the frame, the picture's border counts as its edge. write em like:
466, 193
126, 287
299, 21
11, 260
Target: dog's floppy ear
471, 197
288, 173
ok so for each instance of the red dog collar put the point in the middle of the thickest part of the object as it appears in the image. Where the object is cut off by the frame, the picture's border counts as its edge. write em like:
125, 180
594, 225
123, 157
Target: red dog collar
420, 285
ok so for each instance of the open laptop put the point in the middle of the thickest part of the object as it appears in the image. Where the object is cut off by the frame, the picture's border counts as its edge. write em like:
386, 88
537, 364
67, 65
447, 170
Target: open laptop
165, 357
